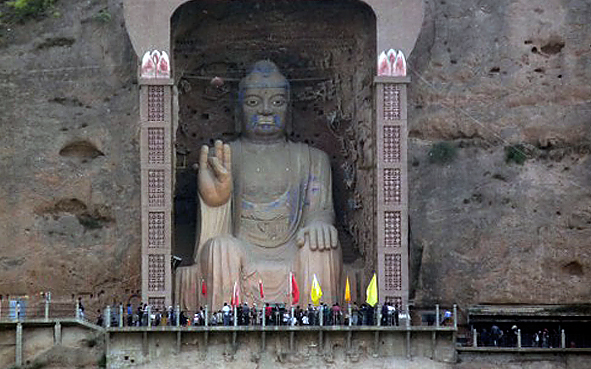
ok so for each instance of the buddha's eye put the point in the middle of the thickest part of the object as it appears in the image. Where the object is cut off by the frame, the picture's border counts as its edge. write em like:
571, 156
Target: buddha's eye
278, 101
252, 102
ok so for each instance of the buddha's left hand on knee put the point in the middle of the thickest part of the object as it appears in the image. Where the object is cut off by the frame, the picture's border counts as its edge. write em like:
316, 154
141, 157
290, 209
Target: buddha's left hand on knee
318, 235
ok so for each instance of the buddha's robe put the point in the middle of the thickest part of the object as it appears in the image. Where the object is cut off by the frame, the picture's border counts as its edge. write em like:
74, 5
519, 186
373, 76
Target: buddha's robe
247, 241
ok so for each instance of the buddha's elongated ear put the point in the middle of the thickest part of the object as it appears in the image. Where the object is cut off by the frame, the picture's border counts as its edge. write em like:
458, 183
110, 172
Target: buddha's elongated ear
238, 113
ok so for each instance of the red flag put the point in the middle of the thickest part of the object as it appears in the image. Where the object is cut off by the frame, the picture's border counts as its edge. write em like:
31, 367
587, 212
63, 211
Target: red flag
236, 295
203, 288
261, 290
295, 291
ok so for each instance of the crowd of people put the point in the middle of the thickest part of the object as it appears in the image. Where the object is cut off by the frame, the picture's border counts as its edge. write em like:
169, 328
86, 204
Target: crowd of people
245, 314
496, 337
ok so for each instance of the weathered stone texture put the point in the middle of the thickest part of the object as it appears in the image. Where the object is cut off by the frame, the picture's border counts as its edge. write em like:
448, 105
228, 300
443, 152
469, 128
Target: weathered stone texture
486, 74
69, 204
490, 74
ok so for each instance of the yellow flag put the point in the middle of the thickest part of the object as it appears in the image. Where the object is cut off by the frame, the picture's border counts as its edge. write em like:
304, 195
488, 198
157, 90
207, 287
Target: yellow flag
347, 292
316, 292
372, 291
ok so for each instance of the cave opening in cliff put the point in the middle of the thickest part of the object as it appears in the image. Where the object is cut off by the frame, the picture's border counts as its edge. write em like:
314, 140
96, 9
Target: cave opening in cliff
327, 51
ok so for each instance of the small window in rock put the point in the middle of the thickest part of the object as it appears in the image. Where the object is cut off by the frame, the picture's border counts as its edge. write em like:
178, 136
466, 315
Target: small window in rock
181, 161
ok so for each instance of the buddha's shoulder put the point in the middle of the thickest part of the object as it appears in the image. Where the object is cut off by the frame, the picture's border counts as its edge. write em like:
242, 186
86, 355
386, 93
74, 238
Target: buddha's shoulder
315, 153
299, 148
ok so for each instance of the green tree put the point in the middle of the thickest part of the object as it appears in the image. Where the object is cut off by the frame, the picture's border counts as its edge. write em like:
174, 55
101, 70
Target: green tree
22, 9
442, 152
515, 154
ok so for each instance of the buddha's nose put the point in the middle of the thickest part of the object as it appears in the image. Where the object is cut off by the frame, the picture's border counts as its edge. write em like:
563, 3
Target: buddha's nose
266, 108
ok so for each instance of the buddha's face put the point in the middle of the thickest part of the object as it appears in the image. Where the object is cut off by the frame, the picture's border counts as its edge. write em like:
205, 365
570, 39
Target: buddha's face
264, 112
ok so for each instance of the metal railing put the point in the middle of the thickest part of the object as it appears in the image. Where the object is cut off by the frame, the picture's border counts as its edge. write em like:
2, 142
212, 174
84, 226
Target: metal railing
529, 339
42, 308
277, 316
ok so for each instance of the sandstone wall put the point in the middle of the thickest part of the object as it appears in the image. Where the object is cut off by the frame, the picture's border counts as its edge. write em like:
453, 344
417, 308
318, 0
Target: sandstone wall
69, 193
486, 74
281, 350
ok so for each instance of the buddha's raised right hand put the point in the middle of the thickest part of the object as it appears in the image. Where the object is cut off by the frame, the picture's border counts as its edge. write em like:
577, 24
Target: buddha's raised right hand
215, 174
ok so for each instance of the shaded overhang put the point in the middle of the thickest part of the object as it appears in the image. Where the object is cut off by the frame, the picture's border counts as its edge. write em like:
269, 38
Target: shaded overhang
555, 313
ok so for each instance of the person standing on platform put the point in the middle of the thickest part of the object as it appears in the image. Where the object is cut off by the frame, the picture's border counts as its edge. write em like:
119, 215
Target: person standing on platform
245, 314
226, 313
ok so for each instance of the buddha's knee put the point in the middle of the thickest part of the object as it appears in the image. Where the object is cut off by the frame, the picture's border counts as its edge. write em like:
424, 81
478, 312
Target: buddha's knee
221, 245
331, 255
225, 241
327, 262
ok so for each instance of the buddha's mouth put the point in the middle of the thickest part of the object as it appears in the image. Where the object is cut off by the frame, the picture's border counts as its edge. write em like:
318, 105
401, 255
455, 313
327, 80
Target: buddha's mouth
266, 122
266, 125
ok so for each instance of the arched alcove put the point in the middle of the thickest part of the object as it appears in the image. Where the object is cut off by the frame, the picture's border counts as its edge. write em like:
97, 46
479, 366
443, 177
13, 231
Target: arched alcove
327, 51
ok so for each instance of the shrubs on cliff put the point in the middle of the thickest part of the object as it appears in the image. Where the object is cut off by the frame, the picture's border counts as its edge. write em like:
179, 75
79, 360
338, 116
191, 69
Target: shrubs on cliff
515, 154
102, 362
102, 16
22, 9
442, 152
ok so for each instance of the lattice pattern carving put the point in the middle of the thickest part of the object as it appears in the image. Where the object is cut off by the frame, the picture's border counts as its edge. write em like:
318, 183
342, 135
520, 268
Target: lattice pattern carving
391, 101
394, 301
157, 303
156, 103
156, 145
156, 187
156, 229
392, 229
392, 186
393, 272
156, 272
392, 144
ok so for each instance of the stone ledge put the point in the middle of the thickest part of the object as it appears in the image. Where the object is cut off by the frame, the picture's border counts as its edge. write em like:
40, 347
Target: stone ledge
523, 350
50, 322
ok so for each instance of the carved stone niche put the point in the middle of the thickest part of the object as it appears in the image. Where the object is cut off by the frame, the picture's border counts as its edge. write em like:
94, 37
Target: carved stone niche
327, 49
328, 54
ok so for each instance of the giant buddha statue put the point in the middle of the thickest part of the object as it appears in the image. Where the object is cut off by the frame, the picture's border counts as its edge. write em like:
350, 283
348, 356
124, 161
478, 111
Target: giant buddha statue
266, 208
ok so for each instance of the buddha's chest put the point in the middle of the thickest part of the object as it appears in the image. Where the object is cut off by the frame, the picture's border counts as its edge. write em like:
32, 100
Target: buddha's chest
264, 179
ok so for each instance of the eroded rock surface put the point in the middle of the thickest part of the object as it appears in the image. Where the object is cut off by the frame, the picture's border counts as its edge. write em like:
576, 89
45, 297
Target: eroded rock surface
486, 74
69, 204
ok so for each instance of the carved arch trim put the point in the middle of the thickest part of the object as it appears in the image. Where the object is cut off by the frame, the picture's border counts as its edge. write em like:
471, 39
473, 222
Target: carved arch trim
398, 23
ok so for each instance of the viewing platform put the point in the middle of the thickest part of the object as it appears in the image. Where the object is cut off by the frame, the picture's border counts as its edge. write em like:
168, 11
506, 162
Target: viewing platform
424, 337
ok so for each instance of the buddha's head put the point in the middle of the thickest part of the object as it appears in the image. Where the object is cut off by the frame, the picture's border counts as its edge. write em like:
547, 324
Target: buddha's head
264, 102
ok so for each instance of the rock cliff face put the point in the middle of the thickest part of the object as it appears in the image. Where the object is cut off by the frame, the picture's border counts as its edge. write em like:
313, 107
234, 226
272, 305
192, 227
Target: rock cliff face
492, 80
69, 154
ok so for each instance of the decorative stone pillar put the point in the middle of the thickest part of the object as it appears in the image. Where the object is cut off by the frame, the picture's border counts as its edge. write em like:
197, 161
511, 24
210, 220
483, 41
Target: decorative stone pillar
156, 184
392, 189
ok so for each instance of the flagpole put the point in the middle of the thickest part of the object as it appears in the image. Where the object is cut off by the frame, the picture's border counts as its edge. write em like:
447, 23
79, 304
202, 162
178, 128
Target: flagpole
349, 311
350, 315
348, 299
289, 297
235, 300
